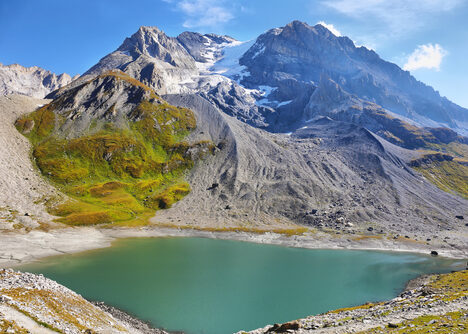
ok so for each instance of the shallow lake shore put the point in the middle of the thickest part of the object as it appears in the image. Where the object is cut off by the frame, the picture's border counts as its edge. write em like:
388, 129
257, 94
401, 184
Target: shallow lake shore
20, 248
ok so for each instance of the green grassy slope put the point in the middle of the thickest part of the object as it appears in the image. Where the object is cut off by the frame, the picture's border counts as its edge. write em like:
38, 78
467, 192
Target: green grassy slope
116, 174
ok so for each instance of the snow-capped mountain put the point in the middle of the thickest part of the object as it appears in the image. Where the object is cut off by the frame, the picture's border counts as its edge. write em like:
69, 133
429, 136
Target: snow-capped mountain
32, 81
270, 82
297, 54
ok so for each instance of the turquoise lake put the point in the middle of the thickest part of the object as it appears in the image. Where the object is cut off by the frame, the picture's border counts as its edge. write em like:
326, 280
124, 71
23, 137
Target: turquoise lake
206, 286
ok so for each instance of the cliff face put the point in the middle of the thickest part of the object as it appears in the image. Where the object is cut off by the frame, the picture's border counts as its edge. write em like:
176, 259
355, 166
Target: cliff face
31, 81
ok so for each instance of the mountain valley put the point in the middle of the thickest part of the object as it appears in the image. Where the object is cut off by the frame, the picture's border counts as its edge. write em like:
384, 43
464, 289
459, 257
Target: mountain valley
297, 138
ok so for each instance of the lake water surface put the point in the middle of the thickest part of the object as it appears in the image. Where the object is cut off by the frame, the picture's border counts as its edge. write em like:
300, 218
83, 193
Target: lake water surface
210, 286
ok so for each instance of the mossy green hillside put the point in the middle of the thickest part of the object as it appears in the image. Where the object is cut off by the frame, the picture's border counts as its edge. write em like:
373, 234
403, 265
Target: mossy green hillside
116, 173
449, 176
446, 166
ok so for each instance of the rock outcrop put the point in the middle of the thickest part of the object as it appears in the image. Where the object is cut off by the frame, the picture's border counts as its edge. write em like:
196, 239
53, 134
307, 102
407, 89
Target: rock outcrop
31, 81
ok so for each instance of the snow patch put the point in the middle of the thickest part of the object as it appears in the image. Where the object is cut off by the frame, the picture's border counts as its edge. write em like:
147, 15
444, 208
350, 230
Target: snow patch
259, 52
266, 90
229, 65
284, 103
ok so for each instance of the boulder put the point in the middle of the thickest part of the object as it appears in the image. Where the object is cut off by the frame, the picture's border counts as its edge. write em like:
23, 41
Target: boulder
277, 328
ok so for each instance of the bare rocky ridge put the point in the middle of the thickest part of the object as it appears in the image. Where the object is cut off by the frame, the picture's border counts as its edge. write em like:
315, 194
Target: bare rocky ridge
31, 81
331, 100
107, 97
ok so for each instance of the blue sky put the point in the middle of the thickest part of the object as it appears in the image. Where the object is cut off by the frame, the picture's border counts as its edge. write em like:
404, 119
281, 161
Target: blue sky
427, 37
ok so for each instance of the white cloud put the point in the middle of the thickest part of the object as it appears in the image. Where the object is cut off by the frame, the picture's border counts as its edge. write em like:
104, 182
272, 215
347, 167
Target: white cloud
330, 27
398, 15
425, 56
358, 43
203, 13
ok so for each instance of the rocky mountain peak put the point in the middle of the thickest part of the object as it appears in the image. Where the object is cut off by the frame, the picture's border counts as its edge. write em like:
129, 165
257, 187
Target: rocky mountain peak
109, 97
151, 57
154, 43
149, 41
277, 74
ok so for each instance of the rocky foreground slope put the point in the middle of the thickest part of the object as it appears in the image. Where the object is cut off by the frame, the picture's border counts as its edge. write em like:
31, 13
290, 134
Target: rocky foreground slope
34, 304
22, 188
31, 81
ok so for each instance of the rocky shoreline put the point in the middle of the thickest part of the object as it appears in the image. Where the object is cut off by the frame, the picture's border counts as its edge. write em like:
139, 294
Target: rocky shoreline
134, 322
24, 248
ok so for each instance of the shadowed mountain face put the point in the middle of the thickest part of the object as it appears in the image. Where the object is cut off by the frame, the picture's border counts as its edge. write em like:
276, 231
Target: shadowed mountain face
299, 54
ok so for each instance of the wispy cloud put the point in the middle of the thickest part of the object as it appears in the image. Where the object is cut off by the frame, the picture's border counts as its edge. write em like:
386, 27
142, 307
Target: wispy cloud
203, 13
330, 27
397, 15
427, 56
